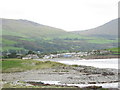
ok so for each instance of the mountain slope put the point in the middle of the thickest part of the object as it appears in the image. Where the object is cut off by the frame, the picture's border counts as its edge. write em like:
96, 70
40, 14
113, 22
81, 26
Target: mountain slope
22, 35
108, 30
24, 28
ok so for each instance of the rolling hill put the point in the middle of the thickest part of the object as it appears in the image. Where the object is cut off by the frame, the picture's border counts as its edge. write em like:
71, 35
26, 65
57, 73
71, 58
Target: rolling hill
108, 30
22, 35
25, 28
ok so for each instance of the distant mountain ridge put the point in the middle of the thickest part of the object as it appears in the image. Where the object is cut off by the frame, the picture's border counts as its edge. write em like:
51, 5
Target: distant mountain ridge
28, 28
108, 30
27, 35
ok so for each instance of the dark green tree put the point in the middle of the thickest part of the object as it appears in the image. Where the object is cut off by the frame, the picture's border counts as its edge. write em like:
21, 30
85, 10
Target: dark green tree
31, 52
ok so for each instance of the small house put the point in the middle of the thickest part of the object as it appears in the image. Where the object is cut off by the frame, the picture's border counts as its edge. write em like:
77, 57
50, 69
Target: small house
31, 56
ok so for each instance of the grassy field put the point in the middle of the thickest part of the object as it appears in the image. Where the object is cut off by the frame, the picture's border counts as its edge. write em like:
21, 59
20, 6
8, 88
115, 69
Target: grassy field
11, 48
8, 42
102, 41
18, 65
115, 50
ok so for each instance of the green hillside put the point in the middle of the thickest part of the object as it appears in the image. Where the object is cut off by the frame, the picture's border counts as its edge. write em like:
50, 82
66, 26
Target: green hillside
115, 50
108, 31
21, 35
28, 29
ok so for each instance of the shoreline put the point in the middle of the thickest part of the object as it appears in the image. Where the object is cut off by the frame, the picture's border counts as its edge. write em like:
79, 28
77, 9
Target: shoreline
74, 76
98, 63
66, 75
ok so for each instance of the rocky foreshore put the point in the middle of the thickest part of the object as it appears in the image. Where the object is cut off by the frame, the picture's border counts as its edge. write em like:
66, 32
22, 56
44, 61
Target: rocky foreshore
66, 75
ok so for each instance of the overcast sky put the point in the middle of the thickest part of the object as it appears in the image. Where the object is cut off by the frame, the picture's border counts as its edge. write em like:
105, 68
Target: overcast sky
69, 15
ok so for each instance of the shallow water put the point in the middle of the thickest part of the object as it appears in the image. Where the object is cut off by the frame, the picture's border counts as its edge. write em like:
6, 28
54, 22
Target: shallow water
99, 63
104, 85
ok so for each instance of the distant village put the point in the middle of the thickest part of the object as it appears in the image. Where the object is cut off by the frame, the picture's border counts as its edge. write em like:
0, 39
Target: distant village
32, 55
76, 54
